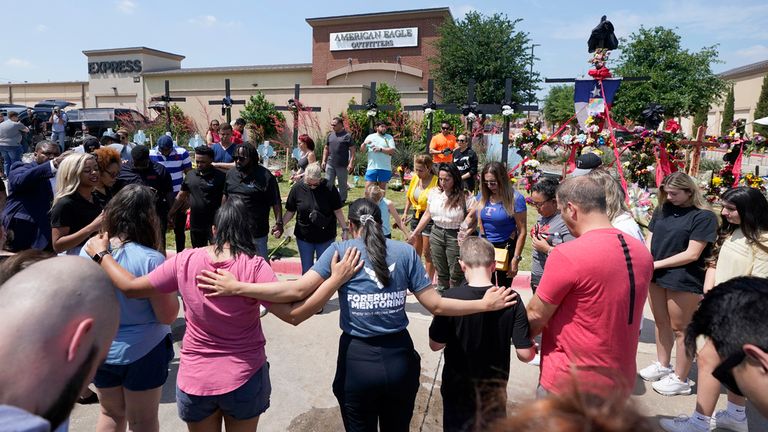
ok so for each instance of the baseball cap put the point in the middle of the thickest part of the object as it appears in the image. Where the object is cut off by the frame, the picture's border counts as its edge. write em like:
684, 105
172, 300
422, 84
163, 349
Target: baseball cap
165, 142
586, 163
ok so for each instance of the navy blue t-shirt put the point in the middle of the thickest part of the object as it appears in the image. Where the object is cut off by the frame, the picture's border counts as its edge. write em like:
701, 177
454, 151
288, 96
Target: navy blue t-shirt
367, 308
220, 154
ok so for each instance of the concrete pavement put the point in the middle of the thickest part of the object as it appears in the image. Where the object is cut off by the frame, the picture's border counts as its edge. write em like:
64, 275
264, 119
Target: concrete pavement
303, 361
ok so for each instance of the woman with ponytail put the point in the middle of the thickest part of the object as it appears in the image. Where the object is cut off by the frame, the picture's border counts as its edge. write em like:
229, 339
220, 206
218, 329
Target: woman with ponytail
372, 319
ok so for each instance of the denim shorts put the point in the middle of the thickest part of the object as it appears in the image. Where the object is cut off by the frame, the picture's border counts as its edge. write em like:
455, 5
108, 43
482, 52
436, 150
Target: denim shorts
245, 402
378, 175
146, 373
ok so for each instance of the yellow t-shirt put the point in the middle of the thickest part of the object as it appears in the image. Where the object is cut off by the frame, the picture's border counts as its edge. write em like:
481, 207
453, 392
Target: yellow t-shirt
441, 142
739, 258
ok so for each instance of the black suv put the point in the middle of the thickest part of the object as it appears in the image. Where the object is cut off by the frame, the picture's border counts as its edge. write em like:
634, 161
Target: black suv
95, 121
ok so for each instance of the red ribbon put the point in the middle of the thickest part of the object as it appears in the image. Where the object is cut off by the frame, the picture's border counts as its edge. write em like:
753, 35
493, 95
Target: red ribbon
600, 74
737, 165
663, 167
616, 154
571, 164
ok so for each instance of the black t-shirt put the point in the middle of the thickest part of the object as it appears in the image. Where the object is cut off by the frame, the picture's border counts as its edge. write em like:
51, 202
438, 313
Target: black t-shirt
155, 177
478, 346
75, 212
205, 192
259, 191
302, 200
673, 227
338, 148
466, 162
102, 199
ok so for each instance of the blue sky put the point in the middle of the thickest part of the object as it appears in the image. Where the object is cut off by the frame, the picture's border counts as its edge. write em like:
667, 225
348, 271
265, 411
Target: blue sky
47, 42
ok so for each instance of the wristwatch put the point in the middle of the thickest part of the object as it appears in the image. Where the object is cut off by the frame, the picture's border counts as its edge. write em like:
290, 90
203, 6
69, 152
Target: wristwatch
517, 258
97, 257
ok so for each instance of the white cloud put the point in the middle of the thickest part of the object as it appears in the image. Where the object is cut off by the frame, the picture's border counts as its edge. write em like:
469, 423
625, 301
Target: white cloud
755, 53
18, 63
42, 28
126, 6
204, 20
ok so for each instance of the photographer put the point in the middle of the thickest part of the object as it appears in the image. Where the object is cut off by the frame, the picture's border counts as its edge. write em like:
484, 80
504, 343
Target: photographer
58, 122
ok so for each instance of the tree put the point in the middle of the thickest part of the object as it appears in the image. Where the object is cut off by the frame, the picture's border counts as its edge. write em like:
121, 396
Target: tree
727, 123
262, 116
182, 127
761, 110
558, 105
680, 80
488, 49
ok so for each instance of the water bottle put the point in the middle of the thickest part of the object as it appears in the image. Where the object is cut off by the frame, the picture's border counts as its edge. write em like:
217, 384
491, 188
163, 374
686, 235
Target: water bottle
139, 137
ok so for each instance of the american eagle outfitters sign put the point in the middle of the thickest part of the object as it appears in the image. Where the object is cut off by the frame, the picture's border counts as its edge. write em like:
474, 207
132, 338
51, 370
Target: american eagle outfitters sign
373, 39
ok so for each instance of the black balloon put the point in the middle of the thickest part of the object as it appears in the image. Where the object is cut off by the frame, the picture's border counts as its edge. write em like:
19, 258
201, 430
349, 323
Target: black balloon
602, 36
652, 116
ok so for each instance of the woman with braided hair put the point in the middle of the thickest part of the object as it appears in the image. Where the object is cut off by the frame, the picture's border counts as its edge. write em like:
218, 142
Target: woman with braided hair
372, 319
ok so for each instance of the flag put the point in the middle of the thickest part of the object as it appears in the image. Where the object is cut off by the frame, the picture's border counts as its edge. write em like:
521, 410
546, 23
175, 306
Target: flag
588, 98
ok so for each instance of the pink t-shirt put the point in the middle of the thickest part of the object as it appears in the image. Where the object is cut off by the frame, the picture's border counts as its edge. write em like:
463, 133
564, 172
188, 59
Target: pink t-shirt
223, 343
594, 332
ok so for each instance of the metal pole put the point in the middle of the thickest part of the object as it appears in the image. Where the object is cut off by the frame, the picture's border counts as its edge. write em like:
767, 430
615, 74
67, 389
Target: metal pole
530, 93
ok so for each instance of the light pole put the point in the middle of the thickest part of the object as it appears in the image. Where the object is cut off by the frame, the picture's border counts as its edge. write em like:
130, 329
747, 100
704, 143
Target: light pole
530, 94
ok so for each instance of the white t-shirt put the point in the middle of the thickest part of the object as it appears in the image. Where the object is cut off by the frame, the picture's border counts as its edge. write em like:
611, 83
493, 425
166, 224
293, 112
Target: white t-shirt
625, 222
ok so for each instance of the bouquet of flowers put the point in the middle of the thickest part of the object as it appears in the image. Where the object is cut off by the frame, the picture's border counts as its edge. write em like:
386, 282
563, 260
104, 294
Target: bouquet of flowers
528, 139
640, 204
531, 173
753, 181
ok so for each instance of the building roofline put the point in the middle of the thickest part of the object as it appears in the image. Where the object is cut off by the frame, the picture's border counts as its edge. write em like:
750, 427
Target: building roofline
233, 69
22, 84
752, 68
377, 16
128, 50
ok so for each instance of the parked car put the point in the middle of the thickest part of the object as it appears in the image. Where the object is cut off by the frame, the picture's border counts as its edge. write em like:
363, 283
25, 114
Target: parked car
6, 108
95, 121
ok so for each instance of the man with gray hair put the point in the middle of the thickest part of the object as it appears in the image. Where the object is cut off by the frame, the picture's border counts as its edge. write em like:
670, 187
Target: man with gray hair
589, 303
56, 326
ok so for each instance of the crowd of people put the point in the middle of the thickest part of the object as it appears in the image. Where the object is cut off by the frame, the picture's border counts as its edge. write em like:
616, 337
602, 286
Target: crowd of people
111, 202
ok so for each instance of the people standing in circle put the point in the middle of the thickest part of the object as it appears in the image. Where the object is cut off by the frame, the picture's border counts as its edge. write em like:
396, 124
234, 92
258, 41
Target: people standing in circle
201, 191
58, 122
306, 156
258, 189
109, 168
224, 150
212, 134
75, 215
442, 144
11, 133
387, 208
177, 163
549, 231
416, 196
465, 160
338, 157
740, 250
682, 231
500, 217
373, 332
618, 210
317, 207
380, 147
130, 381
447, 206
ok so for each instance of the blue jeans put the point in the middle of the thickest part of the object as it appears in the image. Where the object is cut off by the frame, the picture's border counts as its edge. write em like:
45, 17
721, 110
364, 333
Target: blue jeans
10, 155
261, 246
59, 137
309, 252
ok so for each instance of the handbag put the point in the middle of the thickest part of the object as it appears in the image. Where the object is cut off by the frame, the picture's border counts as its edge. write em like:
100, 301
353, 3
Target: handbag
501, 255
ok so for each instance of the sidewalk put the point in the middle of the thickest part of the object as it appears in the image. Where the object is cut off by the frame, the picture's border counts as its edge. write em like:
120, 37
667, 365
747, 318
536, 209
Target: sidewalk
303, 361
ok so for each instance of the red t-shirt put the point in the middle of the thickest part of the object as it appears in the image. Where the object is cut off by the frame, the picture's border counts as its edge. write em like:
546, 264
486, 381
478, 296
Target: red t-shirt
237, 137
594, 332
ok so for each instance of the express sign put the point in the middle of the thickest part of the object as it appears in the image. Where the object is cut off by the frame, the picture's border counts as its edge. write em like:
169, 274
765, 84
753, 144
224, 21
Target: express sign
120, 66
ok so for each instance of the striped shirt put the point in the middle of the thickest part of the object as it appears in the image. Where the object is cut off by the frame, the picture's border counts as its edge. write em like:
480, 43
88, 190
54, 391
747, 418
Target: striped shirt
175, 163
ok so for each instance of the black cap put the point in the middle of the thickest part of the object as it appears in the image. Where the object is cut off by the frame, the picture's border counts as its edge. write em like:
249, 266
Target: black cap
140, 153
586, 163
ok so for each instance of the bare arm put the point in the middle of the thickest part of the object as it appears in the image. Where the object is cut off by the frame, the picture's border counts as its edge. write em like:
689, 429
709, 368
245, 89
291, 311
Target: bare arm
165, 306
223, 283
287, 216
63, 240
495, 298
398, 219
709, 279
521, 221
181, 201
539, 314
129, 284
425, 218
311, 157
435, 346
689, 255
648, 239
224, 166
525, 354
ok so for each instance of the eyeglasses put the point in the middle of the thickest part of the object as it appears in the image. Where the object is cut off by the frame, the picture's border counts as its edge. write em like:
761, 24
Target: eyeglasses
724, 371
461, 140
539, 204
112, 174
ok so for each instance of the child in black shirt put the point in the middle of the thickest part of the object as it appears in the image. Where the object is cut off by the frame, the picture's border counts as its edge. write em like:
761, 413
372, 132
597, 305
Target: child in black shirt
477, 347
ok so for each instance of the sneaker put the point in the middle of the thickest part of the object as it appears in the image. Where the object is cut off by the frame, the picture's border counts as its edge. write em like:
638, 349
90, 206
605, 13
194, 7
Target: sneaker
680, 424
671, 385
536, 360
724, 420
654, 372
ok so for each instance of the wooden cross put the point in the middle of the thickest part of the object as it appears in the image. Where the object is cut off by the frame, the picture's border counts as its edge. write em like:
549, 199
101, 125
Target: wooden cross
167, 99
695, 155
227, 102
294, 106
431, 104
371, 105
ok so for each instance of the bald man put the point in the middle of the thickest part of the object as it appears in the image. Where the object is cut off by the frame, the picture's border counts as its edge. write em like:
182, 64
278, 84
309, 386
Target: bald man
56, 326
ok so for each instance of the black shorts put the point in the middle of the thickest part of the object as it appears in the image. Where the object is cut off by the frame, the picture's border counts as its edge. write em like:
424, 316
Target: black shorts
146, 373
415, 222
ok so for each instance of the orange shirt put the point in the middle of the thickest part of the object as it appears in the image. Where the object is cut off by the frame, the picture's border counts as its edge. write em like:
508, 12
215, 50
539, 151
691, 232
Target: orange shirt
441, 142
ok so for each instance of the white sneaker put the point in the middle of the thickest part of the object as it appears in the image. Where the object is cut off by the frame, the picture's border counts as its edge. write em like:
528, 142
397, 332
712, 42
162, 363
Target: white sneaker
536, 360
654, 372
724, 420
680, 424
671, 385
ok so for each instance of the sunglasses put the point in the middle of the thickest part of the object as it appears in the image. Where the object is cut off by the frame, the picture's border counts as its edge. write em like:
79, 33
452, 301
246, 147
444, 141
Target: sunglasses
491, 183
445, 128
724, 371
461, 140
239, 158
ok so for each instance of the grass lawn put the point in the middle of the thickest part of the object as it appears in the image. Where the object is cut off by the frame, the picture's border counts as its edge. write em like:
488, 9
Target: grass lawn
398, 197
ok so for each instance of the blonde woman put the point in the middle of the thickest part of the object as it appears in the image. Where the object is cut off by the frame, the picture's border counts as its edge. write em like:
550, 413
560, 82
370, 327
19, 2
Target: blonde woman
615, 200
501, 217
75, 216
682, 231
416, 199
